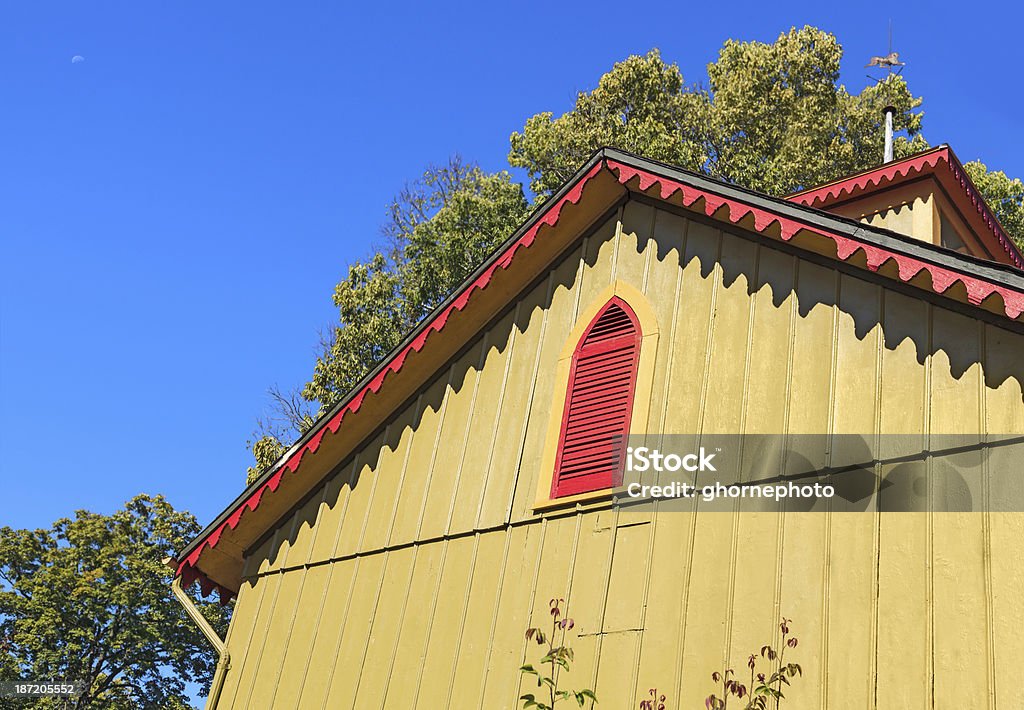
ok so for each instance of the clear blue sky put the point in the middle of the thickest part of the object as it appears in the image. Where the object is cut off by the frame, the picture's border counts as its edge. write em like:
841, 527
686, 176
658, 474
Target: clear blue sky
176, 208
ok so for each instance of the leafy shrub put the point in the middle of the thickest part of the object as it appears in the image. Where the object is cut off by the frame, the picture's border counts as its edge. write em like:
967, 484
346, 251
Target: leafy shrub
556, 659
763, 688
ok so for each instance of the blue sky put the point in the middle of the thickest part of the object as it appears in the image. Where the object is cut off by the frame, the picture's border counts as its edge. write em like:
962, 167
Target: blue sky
176, 207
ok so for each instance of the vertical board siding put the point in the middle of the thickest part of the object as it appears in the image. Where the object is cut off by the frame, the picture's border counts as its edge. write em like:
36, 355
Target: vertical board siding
850, 665
445, 626
512, 614
327, 626
807, 586
477, 456
1003, 413
345, 670
904, 660
408, 579
452, 447
414, 628
499, 486
961, 654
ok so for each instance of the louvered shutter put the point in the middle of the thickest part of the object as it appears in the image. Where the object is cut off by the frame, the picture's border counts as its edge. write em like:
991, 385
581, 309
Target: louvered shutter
599, 403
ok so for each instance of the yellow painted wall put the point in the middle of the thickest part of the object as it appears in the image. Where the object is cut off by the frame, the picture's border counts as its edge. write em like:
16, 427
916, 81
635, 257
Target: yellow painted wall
908, 209
409, 579
914, 209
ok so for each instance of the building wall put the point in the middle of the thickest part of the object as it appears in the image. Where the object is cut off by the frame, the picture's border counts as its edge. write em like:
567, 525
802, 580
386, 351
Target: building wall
916, 209
409, 578
908, 209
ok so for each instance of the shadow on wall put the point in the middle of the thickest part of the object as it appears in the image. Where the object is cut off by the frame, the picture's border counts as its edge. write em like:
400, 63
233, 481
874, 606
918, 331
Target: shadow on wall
707, 254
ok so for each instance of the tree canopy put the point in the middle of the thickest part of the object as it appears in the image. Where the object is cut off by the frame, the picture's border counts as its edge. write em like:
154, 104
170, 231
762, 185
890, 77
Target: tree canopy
772, 117
438, 229
1004, 195
89, 599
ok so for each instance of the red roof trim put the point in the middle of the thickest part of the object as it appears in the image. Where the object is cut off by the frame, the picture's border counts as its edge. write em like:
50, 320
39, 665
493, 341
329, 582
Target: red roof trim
942, 279
899, 171
880, 176
908, 267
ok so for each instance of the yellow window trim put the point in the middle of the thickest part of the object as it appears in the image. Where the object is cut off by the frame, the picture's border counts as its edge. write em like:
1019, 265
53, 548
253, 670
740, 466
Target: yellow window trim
649, 332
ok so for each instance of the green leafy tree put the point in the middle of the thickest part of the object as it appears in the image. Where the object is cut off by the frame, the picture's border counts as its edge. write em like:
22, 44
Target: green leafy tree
266, 450
1004, 195
773, 117
89, 600
438, 230
642, 105
781, 121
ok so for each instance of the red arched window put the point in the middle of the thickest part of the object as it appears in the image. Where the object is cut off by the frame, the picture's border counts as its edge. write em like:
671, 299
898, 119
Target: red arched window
599, 403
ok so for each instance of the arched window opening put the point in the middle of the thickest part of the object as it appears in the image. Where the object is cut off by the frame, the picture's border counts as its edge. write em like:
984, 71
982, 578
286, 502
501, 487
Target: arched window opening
598, 403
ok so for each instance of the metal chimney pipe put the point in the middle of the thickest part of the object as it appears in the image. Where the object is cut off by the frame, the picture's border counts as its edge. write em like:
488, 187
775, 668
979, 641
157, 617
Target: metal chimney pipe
889, 111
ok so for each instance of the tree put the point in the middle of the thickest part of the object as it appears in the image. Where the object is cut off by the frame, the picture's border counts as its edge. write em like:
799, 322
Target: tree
266, 450
642, 105
774, 118
438, 230
89, 599
1003, 195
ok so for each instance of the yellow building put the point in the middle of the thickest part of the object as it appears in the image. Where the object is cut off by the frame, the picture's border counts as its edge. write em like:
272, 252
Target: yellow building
396, 554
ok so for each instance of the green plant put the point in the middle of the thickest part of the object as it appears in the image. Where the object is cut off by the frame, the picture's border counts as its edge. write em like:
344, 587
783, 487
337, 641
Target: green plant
557, 658
768, 687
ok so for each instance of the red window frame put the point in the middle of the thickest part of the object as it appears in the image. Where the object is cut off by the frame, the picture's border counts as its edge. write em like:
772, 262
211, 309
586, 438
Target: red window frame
607, 475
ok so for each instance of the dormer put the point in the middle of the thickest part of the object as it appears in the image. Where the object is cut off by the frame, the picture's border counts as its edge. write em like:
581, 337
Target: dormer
927, 196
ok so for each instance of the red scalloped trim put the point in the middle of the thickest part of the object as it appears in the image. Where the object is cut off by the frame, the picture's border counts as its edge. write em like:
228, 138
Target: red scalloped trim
187, 567
893, 172
908, 267
879, 177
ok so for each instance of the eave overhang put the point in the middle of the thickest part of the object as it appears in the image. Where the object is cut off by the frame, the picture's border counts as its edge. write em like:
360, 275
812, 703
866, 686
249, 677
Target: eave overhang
941, 164
215, 557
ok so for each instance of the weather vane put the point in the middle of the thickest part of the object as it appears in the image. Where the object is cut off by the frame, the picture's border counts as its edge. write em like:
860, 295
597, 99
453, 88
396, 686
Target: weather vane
890, 61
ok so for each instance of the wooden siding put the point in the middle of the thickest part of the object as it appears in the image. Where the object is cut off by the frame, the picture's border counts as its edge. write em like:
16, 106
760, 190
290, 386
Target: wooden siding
409, 578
